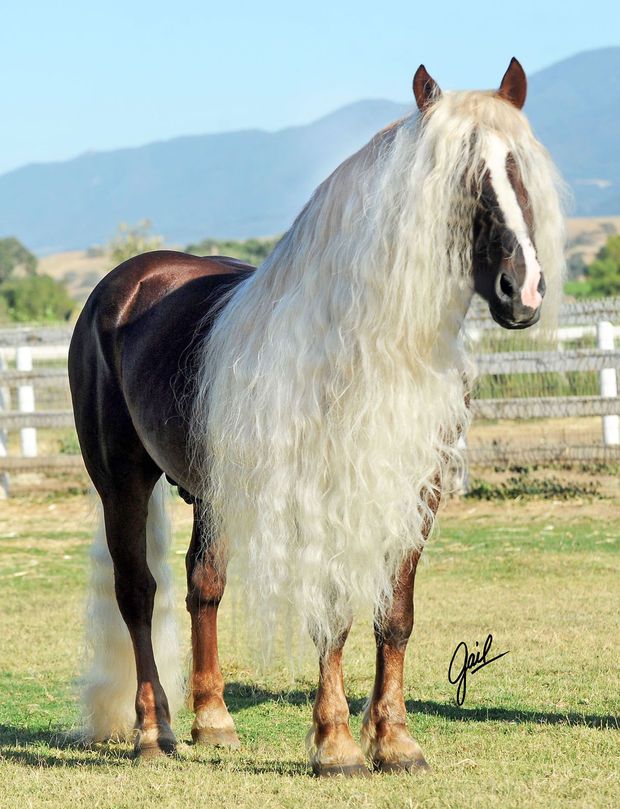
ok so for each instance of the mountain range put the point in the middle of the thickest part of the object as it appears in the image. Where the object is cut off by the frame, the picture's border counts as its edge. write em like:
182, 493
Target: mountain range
252, 182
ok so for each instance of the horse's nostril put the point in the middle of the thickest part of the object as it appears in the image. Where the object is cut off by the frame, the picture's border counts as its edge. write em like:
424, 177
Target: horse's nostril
506, 286
542, 286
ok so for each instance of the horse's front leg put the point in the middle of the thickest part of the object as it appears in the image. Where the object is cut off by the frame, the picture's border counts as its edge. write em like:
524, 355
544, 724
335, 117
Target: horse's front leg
385, 738
205, 588
331, 748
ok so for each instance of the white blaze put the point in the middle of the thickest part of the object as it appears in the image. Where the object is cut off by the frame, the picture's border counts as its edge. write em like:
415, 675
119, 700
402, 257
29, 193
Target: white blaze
513, 216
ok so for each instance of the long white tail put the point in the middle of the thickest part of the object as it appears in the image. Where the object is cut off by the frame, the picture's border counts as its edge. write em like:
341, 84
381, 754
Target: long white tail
109, 686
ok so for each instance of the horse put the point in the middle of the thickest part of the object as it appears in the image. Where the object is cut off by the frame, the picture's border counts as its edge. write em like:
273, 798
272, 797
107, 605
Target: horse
308, 410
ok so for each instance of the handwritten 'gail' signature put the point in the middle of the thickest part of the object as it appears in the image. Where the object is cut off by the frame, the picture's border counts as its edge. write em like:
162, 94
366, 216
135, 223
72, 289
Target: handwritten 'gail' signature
464, 661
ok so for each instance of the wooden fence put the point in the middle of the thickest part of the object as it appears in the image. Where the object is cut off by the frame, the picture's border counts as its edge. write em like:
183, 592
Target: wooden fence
22, 345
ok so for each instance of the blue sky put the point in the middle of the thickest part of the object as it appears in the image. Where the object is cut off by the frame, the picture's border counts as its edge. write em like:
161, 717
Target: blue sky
78, 76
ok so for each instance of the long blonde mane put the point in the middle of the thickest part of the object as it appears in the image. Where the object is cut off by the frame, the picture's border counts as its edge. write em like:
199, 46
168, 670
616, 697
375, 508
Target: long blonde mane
330, 391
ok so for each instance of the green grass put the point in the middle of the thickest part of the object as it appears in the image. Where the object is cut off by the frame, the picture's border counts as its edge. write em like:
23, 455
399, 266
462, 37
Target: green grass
539, 727
515, 386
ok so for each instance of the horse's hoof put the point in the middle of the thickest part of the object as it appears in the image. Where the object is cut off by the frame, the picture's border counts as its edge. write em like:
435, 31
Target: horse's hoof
410, 765
218, 737
346, 770
150, 752
151, 744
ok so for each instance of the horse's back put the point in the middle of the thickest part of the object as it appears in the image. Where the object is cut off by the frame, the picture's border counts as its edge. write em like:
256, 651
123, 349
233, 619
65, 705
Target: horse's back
130, 354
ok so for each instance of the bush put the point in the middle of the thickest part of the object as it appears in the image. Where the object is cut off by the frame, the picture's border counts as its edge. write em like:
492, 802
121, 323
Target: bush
69, 444
15, 259
522, 486
252, 251
5, 315
602, 277
36, 298
132, 240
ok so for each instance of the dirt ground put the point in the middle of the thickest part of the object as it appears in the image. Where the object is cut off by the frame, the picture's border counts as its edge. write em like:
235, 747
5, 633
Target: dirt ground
587, 234
38, 499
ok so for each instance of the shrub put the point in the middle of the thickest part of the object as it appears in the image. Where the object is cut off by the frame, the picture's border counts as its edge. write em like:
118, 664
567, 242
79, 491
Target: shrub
36, 298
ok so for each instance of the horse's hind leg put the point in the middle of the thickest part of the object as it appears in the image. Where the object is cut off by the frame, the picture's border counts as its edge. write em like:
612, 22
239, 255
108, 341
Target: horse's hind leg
205, 588
331, 747
125, 508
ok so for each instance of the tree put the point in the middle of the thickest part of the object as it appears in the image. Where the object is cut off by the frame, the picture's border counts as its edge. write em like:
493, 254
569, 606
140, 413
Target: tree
36, 298
253, 251
131, 240
5, 315
604, 272
602, 277
15, 259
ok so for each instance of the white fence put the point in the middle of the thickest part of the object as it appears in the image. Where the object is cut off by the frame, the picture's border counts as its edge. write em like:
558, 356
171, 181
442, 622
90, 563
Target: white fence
23, 350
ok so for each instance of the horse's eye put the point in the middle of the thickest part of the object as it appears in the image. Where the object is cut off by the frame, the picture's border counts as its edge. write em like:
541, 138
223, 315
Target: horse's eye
509, 241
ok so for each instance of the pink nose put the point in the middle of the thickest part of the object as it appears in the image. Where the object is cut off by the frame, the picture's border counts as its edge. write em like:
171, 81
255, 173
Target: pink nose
531, 297
530, 291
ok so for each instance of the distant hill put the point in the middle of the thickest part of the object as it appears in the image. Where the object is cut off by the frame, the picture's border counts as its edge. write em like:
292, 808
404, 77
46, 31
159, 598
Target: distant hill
252, 183
574, 107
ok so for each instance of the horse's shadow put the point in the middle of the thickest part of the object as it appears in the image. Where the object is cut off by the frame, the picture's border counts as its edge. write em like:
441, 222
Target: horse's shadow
240, 696
517, 716
54, 747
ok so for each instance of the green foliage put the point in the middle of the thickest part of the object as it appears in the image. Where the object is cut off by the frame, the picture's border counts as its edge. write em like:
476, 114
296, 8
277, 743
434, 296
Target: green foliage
5, 315
602, 276
550, 383
604, 273
579, 289
36, 298
69, 444
24, 295
132, 240
15, 259
522, 485
252, 251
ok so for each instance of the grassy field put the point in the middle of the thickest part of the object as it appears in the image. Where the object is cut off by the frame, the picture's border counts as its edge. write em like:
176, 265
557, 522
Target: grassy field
539, 728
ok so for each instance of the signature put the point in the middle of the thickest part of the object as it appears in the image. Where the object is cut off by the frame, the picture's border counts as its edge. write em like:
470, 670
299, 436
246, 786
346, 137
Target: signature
463, 662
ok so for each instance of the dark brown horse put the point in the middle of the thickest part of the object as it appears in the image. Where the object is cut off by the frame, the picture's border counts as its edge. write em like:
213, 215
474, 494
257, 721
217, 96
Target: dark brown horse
381, 263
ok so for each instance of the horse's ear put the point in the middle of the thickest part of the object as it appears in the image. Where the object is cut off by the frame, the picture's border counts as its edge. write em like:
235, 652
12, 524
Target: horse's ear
514, 84
425, 88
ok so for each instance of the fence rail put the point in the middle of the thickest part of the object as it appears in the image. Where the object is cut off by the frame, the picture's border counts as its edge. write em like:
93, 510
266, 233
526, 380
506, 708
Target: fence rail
35, 335
576, 313
541, 362
510, 455
47, 377
545, 407
42, 463
39, 419
51, 343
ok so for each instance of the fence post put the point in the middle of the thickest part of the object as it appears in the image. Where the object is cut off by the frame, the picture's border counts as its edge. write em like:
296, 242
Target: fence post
25, 396
463, 483
4, 405
609, 383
